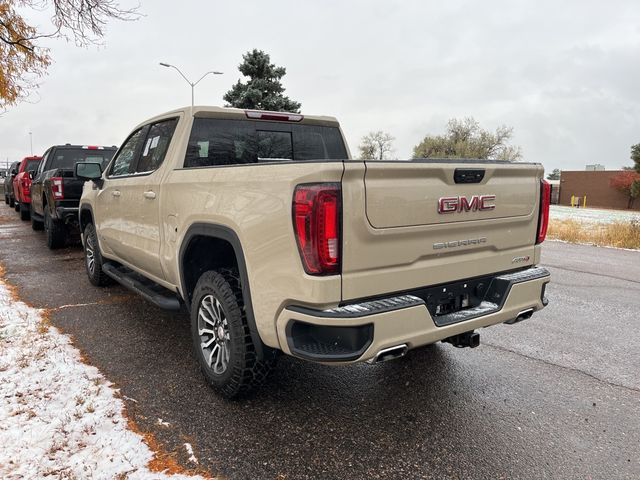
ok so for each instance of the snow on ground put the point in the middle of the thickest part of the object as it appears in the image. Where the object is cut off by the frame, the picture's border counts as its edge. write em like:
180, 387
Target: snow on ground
60, 418
592, 215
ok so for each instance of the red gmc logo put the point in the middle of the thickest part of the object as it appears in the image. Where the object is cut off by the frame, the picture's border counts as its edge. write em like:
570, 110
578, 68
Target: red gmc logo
463, 204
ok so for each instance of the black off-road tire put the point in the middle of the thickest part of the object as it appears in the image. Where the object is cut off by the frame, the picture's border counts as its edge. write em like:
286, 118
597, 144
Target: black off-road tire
36, 225
246, 370
56, 231
16, 206
95, 273
25, 212
6, 199
12, 202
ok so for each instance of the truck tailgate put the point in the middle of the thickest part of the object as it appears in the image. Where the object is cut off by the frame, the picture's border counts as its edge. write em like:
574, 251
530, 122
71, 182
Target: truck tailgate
411, 224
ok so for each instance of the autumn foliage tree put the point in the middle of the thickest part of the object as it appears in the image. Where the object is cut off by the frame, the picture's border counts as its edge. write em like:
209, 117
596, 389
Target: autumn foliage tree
23, 60
628, 183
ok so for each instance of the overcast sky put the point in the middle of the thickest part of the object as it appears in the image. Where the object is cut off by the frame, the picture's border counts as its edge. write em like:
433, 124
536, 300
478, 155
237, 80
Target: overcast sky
565, 75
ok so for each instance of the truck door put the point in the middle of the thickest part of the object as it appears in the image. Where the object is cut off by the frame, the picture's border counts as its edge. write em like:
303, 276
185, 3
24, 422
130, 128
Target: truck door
142, 233
36, 184
110, 203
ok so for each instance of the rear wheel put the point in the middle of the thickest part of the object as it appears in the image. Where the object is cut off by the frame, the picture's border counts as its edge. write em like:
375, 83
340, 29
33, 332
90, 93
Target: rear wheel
6, 199
35, 224
221, 337
24, 212
16, 207
12, 202
55, 230
93, 258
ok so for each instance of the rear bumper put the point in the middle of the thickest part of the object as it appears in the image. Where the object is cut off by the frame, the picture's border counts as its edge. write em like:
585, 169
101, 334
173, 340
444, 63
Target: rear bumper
68, 215
356, 333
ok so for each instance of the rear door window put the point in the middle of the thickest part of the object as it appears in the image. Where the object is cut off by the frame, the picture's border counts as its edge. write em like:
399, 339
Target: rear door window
215, 142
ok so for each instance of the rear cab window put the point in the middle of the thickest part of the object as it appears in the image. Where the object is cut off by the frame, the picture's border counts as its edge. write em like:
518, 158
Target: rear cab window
31, 165
217, 142
66, 158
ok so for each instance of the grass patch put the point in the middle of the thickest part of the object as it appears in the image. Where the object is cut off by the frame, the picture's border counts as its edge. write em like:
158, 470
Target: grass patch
617, 234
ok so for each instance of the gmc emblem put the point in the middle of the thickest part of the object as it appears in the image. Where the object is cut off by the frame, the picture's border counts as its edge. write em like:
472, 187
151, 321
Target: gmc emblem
463, 204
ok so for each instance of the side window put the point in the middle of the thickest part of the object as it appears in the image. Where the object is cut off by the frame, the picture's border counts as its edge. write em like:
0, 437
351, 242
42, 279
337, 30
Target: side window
123, 163
45, 157
156, 145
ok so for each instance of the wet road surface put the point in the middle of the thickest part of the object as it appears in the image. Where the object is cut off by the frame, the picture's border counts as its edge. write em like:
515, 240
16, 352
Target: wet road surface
557, 396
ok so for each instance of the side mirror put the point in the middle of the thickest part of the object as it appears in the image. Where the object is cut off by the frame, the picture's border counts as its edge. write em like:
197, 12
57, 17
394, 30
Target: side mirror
88, 170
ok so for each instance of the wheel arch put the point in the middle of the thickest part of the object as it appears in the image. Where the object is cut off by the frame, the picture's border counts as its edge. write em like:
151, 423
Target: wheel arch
85, 216
200, 237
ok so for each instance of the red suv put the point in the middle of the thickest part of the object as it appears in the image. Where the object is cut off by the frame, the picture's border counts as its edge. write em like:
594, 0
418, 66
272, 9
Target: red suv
22, 185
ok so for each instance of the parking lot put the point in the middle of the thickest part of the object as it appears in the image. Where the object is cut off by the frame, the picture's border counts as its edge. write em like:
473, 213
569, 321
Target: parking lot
557, 396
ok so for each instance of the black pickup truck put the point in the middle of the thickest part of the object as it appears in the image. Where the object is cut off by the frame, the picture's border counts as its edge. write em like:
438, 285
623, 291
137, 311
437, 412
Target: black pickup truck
55, 191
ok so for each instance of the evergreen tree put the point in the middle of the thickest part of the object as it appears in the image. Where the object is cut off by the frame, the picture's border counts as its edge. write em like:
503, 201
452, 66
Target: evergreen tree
635, 156
263, 91
555, 175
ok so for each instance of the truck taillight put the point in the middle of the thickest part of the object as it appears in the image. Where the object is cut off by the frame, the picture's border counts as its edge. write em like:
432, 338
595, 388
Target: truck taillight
57, 188
26, 185
545, 202
316, 223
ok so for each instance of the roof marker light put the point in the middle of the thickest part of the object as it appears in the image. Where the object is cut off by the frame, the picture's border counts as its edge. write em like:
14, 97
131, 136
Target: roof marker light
274, 116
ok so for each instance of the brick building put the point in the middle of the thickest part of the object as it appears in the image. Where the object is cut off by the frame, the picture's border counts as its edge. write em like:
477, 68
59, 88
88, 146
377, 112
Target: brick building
595, 185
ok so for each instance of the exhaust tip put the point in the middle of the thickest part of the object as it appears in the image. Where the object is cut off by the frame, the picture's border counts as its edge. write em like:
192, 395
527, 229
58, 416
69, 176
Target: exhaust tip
390, 353
523, 315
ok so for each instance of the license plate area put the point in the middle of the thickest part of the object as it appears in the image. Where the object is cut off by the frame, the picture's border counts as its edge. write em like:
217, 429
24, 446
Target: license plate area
453, 297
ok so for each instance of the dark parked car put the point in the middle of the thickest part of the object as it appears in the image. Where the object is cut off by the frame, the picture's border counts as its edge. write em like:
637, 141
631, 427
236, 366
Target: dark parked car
9, 198
56, 191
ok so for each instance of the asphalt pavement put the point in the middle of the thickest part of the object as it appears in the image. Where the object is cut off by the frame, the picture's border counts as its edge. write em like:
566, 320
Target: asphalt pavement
556, 396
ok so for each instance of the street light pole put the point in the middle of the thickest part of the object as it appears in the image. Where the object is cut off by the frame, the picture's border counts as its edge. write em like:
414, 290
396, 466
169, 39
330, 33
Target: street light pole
193, 84
31, 142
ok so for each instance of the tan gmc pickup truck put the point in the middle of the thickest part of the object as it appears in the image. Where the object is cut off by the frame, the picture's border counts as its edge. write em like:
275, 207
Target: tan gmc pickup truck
275, 240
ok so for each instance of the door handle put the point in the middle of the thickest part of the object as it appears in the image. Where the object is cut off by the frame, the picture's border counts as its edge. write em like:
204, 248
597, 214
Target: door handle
116, 193
150, 194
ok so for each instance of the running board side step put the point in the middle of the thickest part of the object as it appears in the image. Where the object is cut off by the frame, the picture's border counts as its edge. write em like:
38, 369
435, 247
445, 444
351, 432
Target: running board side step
151, 291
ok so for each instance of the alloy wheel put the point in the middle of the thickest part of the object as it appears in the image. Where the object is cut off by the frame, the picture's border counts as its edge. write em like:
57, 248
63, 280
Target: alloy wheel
90, 255
213, 329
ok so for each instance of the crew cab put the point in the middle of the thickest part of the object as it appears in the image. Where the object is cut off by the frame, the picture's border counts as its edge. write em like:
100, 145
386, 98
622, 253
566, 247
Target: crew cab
55, 191
275, 240
22, 185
